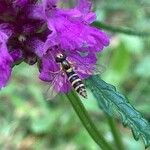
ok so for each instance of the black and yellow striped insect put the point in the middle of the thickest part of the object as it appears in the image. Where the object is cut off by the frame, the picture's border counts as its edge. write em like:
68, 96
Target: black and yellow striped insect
74, 79
68, 72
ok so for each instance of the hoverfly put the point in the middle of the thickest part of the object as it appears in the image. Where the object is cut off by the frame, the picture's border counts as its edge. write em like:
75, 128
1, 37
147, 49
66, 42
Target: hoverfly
71, 75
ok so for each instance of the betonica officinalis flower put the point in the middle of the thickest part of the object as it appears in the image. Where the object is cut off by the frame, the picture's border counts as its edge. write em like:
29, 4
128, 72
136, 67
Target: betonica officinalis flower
41, 31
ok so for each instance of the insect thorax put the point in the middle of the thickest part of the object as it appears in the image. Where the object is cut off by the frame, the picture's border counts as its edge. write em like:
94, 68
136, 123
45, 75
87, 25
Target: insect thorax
66, 65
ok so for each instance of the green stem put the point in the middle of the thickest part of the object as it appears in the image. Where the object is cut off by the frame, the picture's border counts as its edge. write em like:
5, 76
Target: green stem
86, 121
120, 29
116, 134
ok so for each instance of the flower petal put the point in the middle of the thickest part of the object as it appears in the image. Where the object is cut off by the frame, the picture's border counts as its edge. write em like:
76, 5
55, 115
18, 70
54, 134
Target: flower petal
84, 65
61, 84
84, 6
73, 35
16, 55
37, 46
5, 58
5, 65
49, 69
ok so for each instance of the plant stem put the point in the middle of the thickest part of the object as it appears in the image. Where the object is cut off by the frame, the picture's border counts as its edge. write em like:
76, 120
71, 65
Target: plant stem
116, 134
86, 121
120, 29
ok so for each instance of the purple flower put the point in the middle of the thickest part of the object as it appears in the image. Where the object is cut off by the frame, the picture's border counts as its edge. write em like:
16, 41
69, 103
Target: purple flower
13, 24
71, 34
31, 30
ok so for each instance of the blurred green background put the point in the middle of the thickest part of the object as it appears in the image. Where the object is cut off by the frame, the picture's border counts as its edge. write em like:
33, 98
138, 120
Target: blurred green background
29, 122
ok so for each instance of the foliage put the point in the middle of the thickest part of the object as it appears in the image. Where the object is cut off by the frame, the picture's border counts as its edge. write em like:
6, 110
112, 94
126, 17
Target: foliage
112, 102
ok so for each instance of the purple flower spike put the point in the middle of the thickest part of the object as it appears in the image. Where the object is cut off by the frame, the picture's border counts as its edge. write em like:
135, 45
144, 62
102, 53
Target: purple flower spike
71, 34
32, 30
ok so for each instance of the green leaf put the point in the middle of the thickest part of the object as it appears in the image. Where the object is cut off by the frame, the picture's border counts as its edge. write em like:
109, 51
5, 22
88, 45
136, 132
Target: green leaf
112, 102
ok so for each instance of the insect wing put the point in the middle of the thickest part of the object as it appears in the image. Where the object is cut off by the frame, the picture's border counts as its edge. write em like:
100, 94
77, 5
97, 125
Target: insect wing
99, 69
58, 85
51, 93
87, 66
89, 69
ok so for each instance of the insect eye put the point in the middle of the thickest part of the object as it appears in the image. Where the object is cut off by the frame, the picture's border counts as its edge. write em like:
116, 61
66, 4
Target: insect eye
60, 56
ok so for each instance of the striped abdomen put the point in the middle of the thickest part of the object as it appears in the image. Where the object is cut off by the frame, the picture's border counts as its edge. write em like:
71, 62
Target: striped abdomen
76, 83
